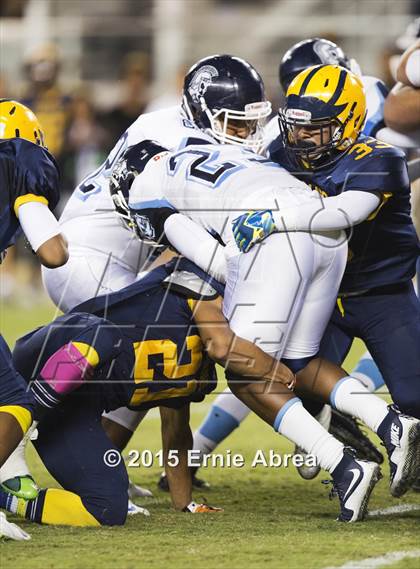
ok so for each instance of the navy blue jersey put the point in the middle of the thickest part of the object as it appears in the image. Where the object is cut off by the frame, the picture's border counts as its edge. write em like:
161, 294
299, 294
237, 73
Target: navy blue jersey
149, 347
383, 249
28, 172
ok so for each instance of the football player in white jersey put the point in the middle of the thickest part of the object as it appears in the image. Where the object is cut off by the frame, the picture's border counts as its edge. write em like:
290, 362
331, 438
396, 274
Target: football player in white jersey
270, 295
104, 255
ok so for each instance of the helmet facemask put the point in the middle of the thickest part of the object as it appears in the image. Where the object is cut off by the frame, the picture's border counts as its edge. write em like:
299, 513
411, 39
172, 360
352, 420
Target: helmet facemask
251, 120
331, 141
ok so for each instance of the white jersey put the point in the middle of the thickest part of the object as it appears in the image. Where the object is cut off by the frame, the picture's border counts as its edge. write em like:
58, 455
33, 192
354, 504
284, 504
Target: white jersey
88, 219
104, 255
212, 184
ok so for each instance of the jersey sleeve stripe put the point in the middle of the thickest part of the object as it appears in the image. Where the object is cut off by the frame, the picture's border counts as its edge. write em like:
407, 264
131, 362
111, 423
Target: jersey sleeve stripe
26, 199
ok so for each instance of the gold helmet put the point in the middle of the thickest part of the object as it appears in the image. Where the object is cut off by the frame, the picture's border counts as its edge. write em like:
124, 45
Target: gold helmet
328, 99
17, 121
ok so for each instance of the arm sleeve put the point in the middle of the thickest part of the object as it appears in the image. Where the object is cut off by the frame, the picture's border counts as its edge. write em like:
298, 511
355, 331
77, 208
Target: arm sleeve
195, 243
38, 223
412, 68
328, 214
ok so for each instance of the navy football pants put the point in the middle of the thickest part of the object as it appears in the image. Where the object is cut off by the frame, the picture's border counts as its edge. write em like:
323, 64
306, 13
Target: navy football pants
13, 388
78, 454
389, 324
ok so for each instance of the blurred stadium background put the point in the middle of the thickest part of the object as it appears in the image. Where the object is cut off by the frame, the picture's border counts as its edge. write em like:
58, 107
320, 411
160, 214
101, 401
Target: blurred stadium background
88, 68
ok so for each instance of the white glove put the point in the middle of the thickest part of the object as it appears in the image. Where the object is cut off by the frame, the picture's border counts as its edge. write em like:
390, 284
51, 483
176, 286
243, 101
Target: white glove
11, 531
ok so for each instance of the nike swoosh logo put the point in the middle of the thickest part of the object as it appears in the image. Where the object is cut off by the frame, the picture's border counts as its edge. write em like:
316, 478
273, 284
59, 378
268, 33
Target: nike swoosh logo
356, 477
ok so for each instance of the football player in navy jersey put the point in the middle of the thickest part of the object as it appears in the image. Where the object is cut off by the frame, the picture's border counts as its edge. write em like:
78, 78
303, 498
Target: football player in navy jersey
364, 188
29, 191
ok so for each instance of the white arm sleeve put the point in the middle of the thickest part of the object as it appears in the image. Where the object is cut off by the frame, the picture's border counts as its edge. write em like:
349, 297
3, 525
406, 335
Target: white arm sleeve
38, 223
193, 241
328, 214
412, 68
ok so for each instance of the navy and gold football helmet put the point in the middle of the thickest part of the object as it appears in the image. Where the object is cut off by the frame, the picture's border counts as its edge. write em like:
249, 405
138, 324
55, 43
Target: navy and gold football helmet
17, 121
330, 101
223, 91
313, 51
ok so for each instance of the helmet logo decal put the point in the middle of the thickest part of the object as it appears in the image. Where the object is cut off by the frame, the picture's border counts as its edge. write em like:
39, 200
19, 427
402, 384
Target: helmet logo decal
201, 80
328, 54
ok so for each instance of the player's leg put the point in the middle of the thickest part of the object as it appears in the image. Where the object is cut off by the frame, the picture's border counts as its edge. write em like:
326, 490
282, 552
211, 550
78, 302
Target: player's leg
392, 333
78, 454
281, 409
120, 425
16, 404
367, 372
16, 414
226, 414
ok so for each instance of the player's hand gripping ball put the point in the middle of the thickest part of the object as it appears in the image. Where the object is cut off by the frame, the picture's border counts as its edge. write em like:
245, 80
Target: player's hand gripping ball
252, 227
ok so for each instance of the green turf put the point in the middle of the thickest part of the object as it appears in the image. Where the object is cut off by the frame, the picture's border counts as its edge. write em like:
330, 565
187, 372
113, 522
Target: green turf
272, 518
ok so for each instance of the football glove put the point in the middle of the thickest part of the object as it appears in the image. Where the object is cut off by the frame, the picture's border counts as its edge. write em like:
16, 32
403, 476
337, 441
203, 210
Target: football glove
252, 227
9, 530
194, 508
148, 223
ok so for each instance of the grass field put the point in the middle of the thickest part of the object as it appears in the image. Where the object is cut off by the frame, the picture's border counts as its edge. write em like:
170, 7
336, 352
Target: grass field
272, 518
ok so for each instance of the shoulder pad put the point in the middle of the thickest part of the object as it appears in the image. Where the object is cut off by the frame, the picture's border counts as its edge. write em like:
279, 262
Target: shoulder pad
190, 285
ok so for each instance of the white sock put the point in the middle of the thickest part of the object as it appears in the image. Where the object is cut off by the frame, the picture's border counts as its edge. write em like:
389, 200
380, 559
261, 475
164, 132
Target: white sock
351, 397
203, 444
294, 422
15, 465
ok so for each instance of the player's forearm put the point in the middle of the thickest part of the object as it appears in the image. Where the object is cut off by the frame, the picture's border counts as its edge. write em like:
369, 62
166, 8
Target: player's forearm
329, 214
402, 109
43, 233
247, 360
195, 243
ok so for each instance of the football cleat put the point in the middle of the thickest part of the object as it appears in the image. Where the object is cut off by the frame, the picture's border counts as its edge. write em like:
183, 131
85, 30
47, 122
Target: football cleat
21, 486
353, 481
9, 530
136, 491
197, 483
346, 429
401, 437
133, 509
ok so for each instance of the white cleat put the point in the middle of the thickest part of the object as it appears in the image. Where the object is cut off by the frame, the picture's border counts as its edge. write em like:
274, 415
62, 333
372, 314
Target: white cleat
8, 530
133, 509
135, 491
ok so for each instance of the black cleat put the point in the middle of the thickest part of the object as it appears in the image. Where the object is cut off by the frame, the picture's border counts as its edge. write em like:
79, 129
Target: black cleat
197, 483
347, 430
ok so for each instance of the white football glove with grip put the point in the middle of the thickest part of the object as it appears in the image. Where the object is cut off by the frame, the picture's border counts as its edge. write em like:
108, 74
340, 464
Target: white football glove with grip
11, 531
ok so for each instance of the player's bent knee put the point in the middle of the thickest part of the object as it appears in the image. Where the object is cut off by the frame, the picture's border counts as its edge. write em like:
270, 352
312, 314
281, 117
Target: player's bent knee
109, 511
